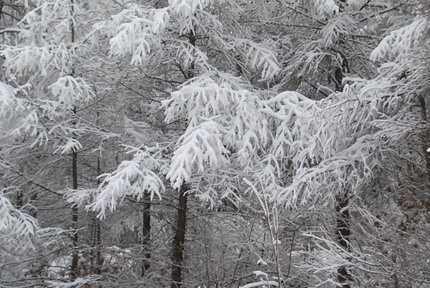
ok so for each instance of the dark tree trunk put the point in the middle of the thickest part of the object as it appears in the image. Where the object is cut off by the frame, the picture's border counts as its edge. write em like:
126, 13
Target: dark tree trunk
146, 233
97, 237
96, 260
343, 233
74, 237
75, 211
179, 240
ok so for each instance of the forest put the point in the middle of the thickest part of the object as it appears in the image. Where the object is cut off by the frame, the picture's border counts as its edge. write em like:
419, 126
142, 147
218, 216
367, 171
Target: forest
215, 143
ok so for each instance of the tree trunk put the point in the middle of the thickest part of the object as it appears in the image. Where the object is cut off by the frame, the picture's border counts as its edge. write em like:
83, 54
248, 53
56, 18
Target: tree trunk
179, 240
146, 233
96, 260
343, 233
97, 228
74, 237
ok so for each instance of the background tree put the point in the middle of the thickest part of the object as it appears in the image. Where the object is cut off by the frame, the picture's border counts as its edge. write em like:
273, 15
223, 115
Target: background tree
44, 62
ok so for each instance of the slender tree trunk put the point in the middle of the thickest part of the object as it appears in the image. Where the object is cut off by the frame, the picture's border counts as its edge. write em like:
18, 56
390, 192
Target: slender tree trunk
19, 196
343, 230
179, 240
74, 238
146, 233
99, 247
343, 233
96, 259
98, 229
75, 211
95, 247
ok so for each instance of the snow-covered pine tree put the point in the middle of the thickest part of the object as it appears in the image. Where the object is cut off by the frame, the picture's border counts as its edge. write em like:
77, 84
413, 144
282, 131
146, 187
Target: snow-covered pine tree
340, 145
44, 61
215, 126
16, 226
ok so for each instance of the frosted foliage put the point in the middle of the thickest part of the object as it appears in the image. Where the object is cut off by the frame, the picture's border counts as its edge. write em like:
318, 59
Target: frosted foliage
262, 283
191, 55
135, 30
9, 104
328, 257
141, 131
55, 14
248, 131
68, 91
321, 147
288, 110
259, 57
71, 91
32, 59
325, 7
7, 96
198, 146
201, 96
189, 13
131, 178
79, 282
14, 121
401, 42
71, 145
208, 24
13, 222
29, 126
187, 8
226, 100
350, 167
41, 39
79, 197
213, 186
335, 28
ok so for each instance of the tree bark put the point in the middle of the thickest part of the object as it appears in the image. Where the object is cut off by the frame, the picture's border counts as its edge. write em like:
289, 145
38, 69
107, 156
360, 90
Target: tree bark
146, 233
96, 242
179, 239
96, 260
343, 233
97, 229
74, 237
75, 211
